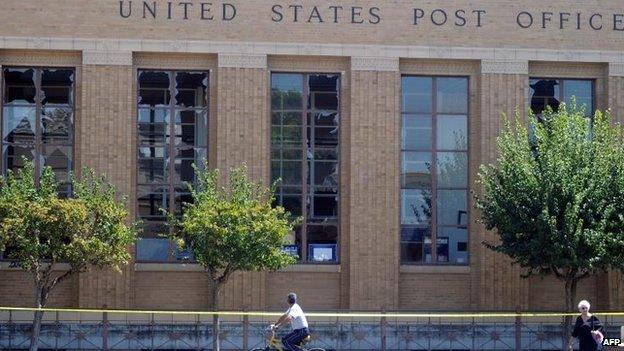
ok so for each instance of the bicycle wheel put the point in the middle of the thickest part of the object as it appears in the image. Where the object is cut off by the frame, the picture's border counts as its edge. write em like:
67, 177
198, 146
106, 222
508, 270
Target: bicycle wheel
316, 349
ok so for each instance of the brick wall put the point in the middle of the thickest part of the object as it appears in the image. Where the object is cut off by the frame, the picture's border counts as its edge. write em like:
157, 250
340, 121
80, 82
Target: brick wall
17, 289
434, 292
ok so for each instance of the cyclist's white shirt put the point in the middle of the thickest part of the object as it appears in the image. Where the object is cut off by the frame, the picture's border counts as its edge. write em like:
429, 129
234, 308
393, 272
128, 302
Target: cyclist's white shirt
298, 320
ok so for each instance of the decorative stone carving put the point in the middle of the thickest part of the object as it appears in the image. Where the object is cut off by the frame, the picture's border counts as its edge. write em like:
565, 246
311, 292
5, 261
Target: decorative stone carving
107, 58
242, 60
567, 69
179, 61
504, 67
616, 69
386, 64
459, 67
39, 58
309, 63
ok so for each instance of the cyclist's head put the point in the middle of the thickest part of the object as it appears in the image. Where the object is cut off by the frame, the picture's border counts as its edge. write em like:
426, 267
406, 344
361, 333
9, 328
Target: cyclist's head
292, 298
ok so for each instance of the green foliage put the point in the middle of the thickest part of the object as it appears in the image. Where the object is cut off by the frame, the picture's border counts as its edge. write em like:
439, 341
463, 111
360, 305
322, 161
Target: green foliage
234, 227
40, 229
557, 198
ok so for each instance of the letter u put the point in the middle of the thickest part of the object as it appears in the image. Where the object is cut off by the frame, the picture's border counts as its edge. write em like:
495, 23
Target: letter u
121, 9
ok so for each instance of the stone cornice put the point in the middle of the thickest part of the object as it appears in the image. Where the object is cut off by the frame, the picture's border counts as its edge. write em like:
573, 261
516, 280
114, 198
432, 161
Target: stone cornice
242, 60
307, 49
107, 58
384, 64
505, 67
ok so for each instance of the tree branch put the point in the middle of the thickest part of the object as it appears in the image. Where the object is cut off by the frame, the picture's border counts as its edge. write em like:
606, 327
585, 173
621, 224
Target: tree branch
226, 274
558, 274
61, 278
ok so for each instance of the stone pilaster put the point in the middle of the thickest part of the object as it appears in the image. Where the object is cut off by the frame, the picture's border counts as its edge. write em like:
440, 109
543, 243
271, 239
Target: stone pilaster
502, 89
374, 183
105, 141
614, 279
243, 125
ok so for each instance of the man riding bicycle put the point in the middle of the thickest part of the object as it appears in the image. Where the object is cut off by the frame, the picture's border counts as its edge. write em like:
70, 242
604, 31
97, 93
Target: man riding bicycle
297, 320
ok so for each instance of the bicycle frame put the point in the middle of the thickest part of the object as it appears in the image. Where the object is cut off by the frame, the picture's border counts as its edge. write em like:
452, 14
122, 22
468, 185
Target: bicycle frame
276, 344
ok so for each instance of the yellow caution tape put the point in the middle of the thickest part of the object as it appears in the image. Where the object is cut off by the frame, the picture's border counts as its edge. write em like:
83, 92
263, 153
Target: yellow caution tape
316, 314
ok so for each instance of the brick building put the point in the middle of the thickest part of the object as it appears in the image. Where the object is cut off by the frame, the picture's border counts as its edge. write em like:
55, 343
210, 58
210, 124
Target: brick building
387, 108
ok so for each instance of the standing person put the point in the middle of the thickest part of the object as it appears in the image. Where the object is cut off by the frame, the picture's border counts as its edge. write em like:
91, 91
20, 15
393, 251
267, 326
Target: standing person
297, 320
587, 329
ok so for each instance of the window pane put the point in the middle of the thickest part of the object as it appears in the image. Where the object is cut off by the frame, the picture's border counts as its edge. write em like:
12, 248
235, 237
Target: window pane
288, 171
12, 156
286, 91
324, 119
324, 100
415, 245
291, 119
322, 243
185, 158
544, 93
181, 199
191, 89
452, 207
19, 86
147, 115
292, 204
416, 132
323, 135
57, 86
452, 245
416, 94
191, 128
452, 95
324, 206
323, 83
416, 206
326, 154
57, 124
416, 169
153, 249
326, 174
452, 133
154, 89
18, 124
452, 169
153, 133
59, 159
582, 90
151, 199
153, 165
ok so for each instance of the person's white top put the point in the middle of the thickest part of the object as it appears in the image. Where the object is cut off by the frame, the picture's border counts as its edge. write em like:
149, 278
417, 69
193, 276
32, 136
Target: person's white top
298, 320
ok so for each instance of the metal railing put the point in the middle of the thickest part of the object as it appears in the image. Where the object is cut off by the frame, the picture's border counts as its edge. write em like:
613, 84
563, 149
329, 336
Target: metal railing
71, 329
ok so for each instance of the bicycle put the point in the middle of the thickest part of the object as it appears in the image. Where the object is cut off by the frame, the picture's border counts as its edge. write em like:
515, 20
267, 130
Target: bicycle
275, 344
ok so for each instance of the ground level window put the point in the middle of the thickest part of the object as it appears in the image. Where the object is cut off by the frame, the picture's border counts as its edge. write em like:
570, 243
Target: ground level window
172, 135
434, 170
305, 145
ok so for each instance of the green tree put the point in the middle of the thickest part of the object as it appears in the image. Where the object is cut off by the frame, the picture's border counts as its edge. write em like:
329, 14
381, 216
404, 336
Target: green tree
557, 198
38, 229
232, 228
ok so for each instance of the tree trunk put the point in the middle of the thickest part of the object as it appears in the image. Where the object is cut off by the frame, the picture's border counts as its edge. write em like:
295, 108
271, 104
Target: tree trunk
570, 298
36, 326
216, 328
